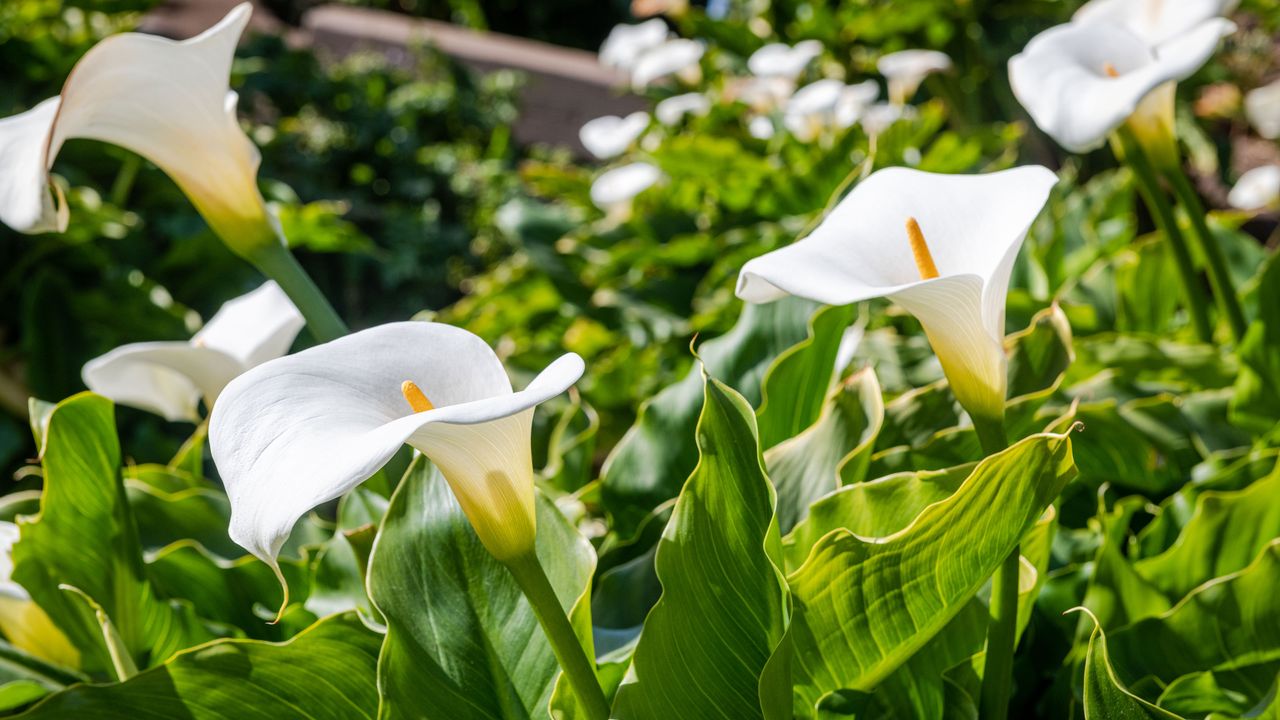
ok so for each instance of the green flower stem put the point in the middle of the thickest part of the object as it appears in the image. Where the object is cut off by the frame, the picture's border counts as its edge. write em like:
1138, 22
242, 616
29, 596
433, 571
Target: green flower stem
1149, 187
578, 668
276, 262
1002, 629
1223, 288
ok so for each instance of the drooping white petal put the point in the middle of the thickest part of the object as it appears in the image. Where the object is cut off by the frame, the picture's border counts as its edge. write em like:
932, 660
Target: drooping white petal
781, 60
167, 101
1063, 77
609, 136
1257, 189
620, 185
673, 57
165, 378
974, 226
1262, 107
906, 69
306, 428
672, 110
255, 327
1155, 21
626, 43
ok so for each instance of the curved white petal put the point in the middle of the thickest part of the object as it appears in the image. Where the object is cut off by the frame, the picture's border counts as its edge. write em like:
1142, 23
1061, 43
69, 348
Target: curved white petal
670, 58
973, 225
1155, 21
255, 327
1262, 107
166, 378
620, 185
854, 102
9, 535
306, 428
609, 136
781, 60
881, 116
1256, 189
672, 110
906, 69
626, 43
1063, 77
167, 101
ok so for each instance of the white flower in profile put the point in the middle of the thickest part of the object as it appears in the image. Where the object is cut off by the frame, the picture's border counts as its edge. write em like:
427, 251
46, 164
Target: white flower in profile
761, 127
855, 101
170, 378
941, 246
1082, 80
609, 136
673, 109
166, 101
626, 43
304, 429
812, 109
677, 57
1257, 189
614, 190
1155, 21
1262, 108
881, 116
906, 69
762, 94
24, 624
784, 61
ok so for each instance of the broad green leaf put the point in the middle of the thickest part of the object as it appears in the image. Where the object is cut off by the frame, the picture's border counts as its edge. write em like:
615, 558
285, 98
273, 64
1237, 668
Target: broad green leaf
1257, 388
833, 451
1199, 695
16, 694
710, 647
462, 641
793, 391
324, 673
1116, 594
865, 606
1040, 354
1105, 696
651, 461
201, 514
85, 536
571, 447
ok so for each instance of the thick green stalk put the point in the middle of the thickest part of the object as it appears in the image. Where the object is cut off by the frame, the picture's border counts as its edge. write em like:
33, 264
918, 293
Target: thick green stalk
276, 262
578, 668
1002, 628
1149, 187
1223, 288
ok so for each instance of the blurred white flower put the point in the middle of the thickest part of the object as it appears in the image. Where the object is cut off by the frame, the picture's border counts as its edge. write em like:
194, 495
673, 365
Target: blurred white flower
672, 110
610, 136
855, 101
785, 61
616, 188
762, 94
827, 105
881, 116
906, 69
1082, 80
626, 43
1262, 107
1155, 21
170, 378
164, 100
677, 57
1257, 189
941, 246
761, 127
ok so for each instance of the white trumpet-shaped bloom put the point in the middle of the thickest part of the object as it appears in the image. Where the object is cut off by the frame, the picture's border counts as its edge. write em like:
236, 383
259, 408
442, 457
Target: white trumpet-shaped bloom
609, 136
164, 100
672, 110
1155, 21
1257, 189
677, 57
906, 69
952, 272
827, 104
170, 378
616, 188
781, 60
1082, 80
1262, 108
626, 43
307, 428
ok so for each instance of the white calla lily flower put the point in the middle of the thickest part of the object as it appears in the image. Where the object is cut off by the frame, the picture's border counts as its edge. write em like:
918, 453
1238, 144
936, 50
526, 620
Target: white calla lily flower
761, 127
164, 100
855, 101
906, 69
827, 104
24, 624
1262, 108
881, 116
941, 246
307, 428
677, 57
609, 136
1155, 21
672, 110
781, 60
614, 190
626, 43
1257, 189
170, 378
1080, 81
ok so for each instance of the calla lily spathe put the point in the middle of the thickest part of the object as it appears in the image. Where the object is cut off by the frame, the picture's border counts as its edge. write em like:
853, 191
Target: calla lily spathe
1262, 108
166, 101
609, 136
170, 378
972, 227
906, 69
24, 624
1082, 80
827, 104
784, 61
677, 57
626, 43
1155, 21
673, 109
614, 190
307, 428
1257, 189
